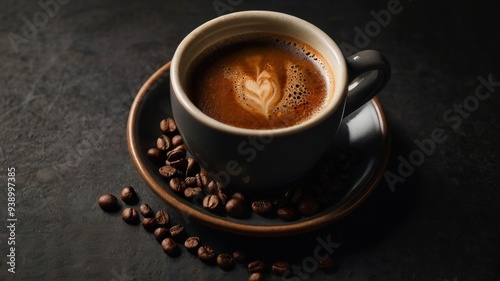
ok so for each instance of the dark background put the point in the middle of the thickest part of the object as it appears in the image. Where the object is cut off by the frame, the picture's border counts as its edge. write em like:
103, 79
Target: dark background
67, 87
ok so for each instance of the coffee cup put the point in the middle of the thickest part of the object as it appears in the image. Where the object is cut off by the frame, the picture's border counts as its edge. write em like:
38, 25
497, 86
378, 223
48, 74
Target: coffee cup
221, 75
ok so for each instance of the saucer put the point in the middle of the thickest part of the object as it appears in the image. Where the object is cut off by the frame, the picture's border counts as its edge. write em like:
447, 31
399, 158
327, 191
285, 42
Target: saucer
364, 129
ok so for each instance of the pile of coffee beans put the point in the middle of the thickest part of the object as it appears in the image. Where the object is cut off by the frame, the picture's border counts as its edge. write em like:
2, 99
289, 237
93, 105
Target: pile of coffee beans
172, 237
306, 197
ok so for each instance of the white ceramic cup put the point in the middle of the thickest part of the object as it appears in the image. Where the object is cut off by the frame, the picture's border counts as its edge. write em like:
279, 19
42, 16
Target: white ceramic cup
250, 158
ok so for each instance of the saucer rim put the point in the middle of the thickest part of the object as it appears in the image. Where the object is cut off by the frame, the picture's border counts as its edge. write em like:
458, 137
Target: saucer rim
220, 223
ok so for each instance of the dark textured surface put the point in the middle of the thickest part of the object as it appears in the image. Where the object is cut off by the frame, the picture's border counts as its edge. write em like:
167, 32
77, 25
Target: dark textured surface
68, 86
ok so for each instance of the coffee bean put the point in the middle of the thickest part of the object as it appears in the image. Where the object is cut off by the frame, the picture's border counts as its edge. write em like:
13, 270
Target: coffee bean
129, 196
146, 211
256, 266
256, 276
280, 203
223, 195
211, 188
108, 203
190, 181
202, 179
130, 216
262, 206
326, 262
155, 153
170, 247
192, 192
161, 233
235, 207
168, 127
177, 140
177, 184
192, 168
294, 194
163, 143
240, 195
211, 202
177, 232
162, 218
180, 147
239, 256
287, 214
225, 261
192, 243
180, 165
280, 267
149, 224
308, 206
206, 253
175, 155
168, 171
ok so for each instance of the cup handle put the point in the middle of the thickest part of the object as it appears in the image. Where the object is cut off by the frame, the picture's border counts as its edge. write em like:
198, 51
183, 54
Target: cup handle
369, 71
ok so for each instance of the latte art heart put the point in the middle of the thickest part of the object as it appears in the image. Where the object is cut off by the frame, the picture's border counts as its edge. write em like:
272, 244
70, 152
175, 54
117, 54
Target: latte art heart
260, 92
259, 81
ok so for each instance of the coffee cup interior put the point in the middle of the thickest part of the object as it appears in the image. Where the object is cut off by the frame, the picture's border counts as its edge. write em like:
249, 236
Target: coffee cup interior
247, 22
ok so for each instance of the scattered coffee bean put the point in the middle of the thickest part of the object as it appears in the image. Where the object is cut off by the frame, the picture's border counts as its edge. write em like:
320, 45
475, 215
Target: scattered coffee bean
239, 195
177, 232
161, 233
108, 203
206, 253
192, 243
168, 171
190, 181
256, 276
239, 256
211, 188
293, 194
327, 262
235, 207
149, 224
280, 202
287, 214
180, 147
168, 127
155, 153
192, 192
223, 195
180, 165
170, 247
193, 167
256, 266
280, 267
130, 216
308, 206
177, 184
163, 143
262, 206
129, 196
225, 261
175, 155
202, 179
211, 202
146, 211
162, 218
177, 140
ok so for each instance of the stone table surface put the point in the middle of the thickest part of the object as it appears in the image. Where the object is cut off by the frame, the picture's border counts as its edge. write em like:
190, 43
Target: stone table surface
71, 69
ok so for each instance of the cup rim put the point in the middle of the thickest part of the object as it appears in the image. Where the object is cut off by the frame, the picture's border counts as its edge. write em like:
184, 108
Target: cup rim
339, 73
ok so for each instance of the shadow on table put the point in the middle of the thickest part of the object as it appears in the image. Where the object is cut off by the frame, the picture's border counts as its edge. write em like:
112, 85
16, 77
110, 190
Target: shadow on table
373, 222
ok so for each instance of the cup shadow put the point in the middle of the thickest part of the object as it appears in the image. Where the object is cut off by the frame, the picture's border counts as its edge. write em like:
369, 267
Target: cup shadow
370, 224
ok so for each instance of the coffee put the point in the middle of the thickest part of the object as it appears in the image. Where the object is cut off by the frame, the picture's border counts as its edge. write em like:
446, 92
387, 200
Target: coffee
260, 81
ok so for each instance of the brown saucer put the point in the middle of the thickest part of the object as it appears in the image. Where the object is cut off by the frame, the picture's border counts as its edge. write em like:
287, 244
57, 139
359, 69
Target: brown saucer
365, 129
